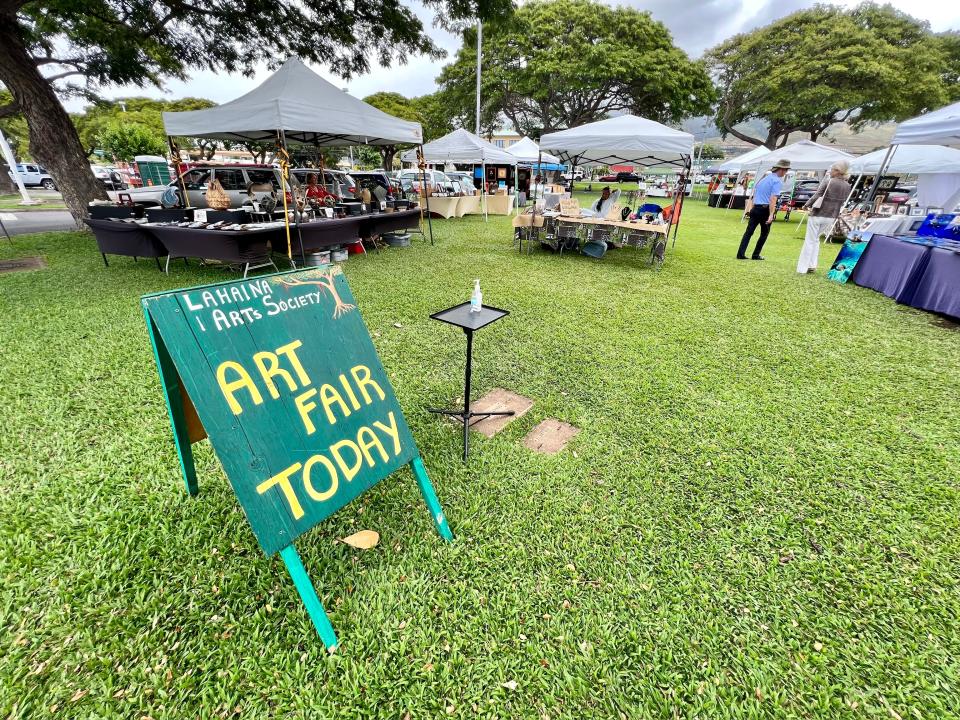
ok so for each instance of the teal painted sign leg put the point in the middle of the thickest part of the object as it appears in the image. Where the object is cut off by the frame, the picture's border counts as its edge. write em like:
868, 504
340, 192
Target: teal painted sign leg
171, 393
308, 595
430, 497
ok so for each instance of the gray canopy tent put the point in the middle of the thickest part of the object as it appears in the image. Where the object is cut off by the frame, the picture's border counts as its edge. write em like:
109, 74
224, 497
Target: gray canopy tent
296, 105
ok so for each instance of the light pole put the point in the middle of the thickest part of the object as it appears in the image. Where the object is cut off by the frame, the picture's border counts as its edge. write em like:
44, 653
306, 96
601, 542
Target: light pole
479, 55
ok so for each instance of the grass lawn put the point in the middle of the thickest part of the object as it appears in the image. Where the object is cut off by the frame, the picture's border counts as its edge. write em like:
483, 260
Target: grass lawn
12, 203
759, 518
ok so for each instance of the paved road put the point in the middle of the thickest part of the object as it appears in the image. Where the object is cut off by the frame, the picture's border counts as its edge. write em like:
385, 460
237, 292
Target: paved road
38, 221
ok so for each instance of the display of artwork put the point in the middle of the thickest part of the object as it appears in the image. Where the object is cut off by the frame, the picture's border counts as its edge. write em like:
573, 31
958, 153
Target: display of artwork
849, 256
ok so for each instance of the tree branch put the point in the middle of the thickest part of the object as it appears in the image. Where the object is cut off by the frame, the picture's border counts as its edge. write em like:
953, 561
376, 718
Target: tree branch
9, 109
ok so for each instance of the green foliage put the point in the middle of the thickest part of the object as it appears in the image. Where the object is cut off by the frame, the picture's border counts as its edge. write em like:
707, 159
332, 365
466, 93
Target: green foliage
950, 47
428, 110
15, 130
145, 112
827, 65
757, 520
125, 140
563, 63
708, 152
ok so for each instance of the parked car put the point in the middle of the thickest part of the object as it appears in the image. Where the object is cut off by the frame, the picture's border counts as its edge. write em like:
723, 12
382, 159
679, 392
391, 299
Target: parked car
434, 177
607, 178
901, 194
623, 177
33, 175
802, 192
110, 177
234, 178
371, 179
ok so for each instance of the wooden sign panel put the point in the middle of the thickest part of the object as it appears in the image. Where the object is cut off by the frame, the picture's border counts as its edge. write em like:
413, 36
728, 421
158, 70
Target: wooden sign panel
290, 391
280, 373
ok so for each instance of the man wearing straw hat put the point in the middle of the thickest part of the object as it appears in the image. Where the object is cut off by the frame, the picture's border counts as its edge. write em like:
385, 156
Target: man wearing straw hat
766, 194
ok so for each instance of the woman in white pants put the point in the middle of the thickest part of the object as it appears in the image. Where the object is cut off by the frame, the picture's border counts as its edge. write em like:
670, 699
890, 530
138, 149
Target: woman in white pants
824, 209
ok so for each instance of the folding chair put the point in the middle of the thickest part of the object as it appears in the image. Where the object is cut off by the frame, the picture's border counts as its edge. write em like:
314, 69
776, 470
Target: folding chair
567, 237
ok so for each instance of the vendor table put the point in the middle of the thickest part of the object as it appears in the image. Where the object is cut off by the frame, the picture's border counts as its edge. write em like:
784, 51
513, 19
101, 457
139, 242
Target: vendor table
445, 207
249, 248
384, 222
462, 317
469, 205
938, 288
722, 200
892, 267
130, 239
890, 226
498, 204
319, 234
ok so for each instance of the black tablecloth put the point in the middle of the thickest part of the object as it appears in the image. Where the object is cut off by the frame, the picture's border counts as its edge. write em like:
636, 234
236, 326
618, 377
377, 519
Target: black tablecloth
938, 288
120, 238
384, 222
319, 234
234, 246
892, 267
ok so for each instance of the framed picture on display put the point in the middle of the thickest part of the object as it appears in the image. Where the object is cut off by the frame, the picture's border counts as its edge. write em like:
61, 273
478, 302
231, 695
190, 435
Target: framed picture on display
886, 209
501, 173
901, 209
935, 210
917, 211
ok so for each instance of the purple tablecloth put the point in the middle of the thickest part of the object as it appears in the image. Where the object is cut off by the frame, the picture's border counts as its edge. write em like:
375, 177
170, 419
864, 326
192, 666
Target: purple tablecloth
938, 289
892, 267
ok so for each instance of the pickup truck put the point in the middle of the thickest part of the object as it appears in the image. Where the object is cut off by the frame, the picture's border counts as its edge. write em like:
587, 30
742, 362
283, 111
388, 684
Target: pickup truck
34, 176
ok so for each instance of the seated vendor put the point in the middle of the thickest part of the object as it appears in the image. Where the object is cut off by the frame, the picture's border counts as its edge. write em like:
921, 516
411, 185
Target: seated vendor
602, 206
313, 191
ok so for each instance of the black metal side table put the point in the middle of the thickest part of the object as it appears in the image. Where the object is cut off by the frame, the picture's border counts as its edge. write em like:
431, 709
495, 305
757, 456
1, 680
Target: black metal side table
460, 316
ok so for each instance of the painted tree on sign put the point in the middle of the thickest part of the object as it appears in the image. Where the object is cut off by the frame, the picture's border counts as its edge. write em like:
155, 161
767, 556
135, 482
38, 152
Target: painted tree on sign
827, 65
328, 282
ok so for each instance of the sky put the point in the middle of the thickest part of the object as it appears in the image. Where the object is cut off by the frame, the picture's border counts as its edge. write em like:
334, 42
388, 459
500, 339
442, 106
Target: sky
696, 25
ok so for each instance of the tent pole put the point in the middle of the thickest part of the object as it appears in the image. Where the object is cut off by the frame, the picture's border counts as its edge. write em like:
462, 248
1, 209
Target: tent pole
883, 168
175, 156
483, 189
678, 204
421, 163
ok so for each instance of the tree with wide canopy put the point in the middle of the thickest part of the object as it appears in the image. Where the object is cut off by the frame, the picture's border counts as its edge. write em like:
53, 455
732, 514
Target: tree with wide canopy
141, 42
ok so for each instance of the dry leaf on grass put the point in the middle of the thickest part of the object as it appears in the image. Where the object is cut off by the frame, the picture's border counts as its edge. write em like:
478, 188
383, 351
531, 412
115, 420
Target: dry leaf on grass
364, 540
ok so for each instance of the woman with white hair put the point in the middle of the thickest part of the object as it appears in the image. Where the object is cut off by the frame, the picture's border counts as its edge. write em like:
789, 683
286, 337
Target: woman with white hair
824, 209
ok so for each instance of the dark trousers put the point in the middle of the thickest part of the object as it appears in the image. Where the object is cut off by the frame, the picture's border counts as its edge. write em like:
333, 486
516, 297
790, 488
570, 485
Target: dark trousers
757, 218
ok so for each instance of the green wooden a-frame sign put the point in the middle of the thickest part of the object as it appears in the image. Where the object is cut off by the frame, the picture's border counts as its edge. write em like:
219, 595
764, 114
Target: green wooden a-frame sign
280, 373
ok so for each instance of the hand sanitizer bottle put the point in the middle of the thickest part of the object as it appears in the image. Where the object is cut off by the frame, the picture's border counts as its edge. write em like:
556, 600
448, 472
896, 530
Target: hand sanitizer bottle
476, 300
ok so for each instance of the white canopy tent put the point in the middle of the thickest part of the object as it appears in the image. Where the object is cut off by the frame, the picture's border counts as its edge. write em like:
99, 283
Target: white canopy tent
803, 155
937, 169
296, 105
937, 128
736, 164
910, 160
622, 139
940, 127
462, 146
526, 151
625, 139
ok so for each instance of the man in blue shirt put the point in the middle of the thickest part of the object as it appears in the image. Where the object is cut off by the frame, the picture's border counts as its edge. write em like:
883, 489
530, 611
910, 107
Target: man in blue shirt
765, 198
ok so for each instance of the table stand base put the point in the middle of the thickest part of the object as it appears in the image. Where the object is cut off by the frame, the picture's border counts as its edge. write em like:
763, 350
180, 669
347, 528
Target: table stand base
469, 418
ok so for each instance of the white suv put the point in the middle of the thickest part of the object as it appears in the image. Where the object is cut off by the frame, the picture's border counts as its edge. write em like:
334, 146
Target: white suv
34, 176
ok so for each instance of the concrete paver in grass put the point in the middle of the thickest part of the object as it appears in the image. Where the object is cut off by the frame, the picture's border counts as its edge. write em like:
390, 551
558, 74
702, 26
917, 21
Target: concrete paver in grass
22, 264
550, 436
498, 400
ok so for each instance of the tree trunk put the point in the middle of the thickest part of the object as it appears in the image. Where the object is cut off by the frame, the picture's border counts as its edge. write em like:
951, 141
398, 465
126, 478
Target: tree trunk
386, 155
54, 142
7, 186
